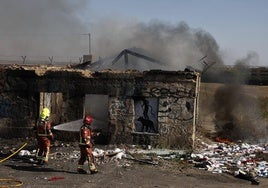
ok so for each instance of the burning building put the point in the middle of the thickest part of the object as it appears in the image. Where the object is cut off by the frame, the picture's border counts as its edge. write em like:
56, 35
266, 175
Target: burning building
154, 107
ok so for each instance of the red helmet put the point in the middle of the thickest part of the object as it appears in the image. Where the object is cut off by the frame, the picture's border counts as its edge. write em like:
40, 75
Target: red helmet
88, 119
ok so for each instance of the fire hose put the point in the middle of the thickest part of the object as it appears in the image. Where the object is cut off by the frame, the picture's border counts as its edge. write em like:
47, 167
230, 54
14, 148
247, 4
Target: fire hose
2, 160
9, 180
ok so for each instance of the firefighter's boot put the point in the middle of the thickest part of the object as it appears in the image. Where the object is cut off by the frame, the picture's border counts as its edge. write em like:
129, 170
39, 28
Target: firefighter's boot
80, 170
92, 168
45, 156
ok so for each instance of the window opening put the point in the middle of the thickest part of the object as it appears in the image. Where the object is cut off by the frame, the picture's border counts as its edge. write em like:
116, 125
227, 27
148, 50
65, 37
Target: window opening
146, 115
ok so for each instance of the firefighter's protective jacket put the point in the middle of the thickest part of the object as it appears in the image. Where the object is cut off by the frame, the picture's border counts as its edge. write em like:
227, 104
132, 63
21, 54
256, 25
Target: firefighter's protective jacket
85, 136
43, 129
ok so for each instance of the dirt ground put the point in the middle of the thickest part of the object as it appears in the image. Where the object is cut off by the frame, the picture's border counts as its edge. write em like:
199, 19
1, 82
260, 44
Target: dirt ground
61, 171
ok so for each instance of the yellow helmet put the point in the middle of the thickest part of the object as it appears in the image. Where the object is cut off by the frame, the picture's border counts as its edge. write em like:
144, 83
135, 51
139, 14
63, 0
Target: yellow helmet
45, 113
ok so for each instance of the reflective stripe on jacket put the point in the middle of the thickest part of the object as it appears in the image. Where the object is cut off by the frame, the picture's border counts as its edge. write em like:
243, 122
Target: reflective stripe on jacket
43, 128
85, 136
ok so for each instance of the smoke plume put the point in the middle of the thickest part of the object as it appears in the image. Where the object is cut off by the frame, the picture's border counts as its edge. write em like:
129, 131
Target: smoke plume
45, 28
237, 112
42, 28
177, 46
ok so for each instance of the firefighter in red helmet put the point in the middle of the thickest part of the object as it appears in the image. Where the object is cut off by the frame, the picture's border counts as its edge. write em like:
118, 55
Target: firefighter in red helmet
86, 146
44, 136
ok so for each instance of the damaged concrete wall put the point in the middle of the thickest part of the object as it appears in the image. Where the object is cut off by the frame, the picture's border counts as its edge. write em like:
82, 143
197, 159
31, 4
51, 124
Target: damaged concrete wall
176, 95
121, 113
155, 108
20, 101
18, 105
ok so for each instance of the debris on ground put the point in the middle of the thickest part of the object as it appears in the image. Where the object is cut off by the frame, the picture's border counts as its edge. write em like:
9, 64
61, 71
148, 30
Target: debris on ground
242, 160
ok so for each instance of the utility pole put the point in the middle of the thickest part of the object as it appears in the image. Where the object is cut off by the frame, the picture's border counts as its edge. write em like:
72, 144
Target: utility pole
89, 43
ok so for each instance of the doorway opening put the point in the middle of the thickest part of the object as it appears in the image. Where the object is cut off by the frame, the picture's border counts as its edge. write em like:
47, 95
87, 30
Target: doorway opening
97, 106
52, 101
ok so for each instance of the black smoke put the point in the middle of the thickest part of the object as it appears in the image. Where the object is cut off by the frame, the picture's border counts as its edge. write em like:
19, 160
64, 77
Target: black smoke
237, 108
177, 45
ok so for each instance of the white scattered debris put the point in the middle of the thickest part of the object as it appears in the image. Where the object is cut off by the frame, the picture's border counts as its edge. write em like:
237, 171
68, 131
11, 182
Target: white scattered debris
98, 152
262, 169
75, 154
117, 150
24, 153
232, 158
116, 153
119, 155
160, 152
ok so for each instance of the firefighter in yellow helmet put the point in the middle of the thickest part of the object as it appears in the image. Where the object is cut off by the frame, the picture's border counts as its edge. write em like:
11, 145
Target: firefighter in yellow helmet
44, 136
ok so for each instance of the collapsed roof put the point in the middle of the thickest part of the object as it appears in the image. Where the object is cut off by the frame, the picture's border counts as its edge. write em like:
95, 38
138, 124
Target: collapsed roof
140, 60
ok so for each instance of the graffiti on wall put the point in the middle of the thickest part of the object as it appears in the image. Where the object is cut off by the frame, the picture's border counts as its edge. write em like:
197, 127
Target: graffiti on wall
175, 103
177, 110
171, 92
120, 109
146, 115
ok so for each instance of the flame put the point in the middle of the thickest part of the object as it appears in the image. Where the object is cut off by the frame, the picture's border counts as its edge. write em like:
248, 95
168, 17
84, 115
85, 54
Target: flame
223, 140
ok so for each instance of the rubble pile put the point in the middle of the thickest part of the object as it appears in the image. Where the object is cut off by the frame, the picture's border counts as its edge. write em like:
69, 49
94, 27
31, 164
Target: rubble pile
235, 159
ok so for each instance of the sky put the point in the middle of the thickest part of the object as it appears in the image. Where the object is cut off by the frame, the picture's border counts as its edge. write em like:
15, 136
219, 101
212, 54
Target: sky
226, 31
